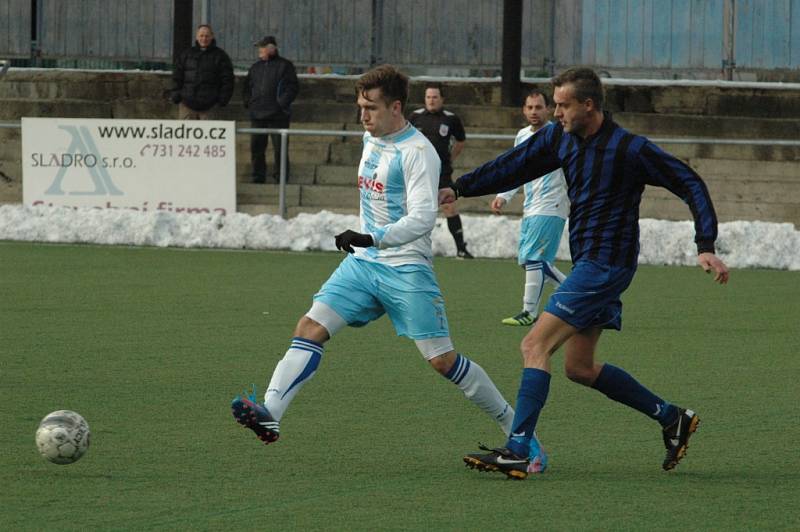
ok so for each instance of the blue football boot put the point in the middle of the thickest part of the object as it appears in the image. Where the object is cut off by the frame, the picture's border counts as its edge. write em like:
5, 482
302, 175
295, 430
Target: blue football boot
255, 416
537, 457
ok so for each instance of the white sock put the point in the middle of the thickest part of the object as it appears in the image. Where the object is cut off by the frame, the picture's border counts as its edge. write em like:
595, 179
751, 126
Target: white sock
296, 367
534, 284
479, 388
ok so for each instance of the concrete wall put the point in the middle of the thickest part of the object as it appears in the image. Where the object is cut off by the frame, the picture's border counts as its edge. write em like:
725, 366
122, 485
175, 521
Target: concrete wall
746, 182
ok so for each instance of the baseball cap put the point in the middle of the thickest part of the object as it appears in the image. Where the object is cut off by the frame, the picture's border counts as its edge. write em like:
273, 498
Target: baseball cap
269, 39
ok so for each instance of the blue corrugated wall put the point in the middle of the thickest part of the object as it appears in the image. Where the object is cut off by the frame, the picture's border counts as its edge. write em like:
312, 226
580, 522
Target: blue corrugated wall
669, 35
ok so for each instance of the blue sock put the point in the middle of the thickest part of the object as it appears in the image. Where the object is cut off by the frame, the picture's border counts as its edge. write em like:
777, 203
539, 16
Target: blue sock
620, 386
532, 395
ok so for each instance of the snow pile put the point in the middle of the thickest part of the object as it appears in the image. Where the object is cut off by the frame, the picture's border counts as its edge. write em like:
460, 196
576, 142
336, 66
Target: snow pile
740, 244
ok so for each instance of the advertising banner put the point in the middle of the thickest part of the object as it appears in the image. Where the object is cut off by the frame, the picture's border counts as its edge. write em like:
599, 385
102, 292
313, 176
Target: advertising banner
147, 165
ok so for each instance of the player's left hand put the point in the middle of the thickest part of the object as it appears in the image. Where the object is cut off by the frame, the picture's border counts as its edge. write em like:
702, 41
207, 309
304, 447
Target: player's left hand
349, 238
710, 262
447, 195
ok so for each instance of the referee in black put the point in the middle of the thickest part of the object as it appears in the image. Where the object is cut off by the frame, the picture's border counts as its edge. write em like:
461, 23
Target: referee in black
445, 131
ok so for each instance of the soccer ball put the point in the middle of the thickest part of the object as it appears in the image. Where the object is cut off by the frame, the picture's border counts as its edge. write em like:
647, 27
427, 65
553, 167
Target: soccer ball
63, 436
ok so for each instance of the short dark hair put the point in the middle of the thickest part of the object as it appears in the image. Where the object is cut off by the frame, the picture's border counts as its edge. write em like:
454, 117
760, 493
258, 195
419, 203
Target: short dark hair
533, 93
435, 85
392, 83
586, 83
205, 26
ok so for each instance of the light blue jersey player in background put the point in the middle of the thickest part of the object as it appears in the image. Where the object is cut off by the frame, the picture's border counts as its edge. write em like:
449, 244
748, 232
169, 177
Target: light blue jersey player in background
388, 268
545, 211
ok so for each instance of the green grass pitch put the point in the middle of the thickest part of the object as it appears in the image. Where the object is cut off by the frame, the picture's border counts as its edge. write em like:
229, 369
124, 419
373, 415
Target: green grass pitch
151, 345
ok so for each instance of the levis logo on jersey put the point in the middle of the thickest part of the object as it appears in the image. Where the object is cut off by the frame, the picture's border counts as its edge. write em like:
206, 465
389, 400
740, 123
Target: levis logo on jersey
367, 183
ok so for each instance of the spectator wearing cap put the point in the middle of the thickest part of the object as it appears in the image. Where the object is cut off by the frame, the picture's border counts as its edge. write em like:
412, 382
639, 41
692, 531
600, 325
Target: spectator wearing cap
202, 77
269, 90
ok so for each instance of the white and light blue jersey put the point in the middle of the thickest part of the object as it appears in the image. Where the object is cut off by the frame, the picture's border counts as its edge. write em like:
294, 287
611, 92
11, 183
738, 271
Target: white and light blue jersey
544, 196
398, 181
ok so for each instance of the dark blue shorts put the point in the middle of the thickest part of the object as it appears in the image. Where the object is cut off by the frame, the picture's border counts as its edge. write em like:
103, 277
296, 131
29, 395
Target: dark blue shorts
590, 295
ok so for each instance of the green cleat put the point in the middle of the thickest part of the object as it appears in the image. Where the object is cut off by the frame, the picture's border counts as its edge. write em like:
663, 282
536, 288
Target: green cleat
523, 318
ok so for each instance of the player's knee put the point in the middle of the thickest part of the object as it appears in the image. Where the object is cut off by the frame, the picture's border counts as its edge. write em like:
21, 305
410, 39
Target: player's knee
534, 350
443, 363
580, 374
311, 330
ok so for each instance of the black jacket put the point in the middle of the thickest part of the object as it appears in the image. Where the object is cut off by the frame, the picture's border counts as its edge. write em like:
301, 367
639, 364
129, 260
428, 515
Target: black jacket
203, 78
270, 88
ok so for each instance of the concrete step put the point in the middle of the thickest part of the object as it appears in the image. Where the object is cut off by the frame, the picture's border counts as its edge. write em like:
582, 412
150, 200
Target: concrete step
726, 127
299, 174
324, 196
342, 90
11, 109
707, 100
243, 139
670, 208
69, 85
331, 174
301, 153
345, 153
747, 169
751, 191
732, 151
472, 156
250, 193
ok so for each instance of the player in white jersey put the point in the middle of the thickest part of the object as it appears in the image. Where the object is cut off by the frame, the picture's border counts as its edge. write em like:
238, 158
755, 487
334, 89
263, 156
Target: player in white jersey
545, 211
388, 268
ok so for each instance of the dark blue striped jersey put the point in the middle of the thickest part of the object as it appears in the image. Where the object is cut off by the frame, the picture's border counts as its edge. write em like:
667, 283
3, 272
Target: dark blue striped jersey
606, 174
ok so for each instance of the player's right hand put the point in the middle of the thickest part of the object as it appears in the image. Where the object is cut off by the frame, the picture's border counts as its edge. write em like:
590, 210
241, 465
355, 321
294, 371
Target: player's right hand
711, 263
447, 195
497, 204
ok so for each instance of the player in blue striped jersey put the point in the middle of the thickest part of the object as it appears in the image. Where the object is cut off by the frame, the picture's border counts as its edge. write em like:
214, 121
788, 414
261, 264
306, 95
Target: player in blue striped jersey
606, 169
544, 213
388, 268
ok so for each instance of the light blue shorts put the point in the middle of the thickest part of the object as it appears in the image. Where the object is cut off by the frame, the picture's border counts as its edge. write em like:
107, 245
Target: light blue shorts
539, 237
361, 291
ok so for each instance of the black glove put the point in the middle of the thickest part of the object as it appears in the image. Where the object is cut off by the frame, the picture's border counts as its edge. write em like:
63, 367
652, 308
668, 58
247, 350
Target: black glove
349, 238
176, 97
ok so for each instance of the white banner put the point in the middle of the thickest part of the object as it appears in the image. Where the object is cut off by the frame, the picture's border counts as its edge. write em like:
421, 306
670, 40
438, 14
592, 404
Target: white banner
146, 165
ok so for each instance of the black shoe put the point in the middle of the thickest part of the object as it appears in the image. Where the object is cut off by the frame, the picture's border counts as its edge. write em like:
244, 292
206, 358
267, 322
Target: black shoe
676, 437
501, 460
464, 254
258, 180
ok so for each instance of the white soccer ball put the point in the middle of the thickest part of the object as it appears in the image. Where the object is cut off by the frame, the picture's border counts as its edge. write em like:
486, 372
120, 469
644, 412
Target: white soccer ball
63, 436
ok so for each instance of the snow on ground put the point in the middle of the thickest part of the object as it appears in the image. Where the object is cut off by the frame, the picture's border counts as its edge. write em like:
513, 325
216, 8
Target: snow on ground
740, 244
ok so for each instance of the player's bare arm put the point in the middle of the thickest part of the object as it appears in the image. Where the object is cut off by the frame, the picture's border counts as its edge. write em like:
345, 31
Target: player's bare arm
458, 147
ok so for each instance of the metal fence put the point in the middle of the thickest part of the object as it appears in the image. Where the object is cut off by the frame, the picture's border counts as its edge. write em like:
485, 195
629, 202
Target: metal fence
690, 38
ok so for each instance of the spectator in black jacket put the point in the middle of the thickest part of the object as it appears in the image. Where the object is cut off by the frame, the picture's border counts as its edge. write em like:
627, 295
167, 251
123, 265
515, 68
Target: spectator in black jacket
202, 78
269, 90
